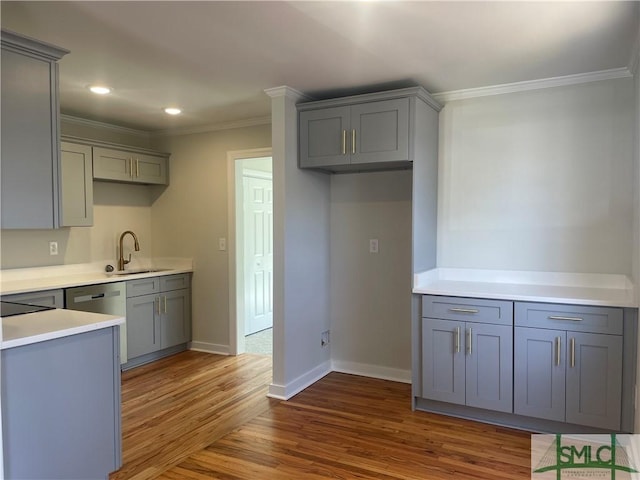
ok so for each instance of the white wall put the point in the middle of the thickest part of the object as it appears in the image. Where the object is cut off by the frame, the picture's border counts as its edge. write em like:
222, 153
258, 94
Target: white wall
539, 180
301, 256
370, 293
189, 216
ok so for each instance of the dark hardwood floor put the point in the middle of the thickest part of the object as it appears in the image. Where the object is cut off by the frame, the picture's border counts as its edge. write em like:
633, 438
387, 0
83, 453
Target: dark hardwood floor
197, 416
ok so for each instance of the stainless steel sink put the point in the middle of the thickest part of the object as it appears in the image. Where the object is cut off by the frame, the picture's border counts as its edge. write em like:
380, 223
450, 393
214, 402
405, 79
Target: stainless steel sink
139, 271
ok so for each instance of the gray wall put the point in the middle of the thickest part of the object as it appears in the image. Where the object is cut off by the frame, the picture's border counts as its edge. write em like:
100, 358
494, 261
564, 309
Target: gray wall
189, 216
539, 180
370, 307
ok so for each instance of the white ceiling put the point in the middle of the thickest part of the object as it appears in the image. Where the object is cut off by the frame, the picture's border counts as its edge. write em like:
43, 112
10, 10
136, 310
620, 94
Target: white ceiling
214, 59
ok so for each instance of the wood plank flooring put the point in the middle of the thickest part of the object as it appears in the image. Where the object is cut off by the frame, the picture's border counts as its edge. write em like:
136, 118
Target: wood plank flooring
180, 404
197, 416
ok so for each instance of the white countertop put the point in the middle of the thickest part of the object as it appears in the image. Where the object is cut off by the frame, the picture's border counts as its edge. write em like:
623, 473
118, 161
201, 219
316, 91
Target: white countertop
37, 327
554, 287
25, 280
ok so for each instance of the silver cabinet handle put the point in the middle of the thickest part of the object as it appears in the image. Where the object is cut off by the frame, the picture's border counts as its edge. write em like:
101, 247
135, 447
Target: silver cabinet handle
558, 350
469, 341
158, 305
165, 304
457, 340
353, 141
137, 168
130, 165
344, 142
572, 348
463, 310
571, 319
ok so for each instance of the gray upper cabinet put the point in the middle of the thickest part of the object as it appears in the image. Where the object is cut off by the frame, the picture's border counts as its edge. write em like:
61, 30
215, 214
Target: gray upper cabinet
365, 132
467, 352
30, 144
130, 166
568, 363
76, 185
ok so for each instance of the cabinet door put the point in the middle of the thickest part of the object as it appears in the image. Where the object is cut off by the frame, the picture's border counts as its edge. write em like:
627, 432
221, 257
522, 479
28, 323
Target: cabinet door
176, 318
380, 131
111, 164
150, 169
539, 373
489, 366
29, 147
594, 380
443, 362
76, 185
143, 325
324, 137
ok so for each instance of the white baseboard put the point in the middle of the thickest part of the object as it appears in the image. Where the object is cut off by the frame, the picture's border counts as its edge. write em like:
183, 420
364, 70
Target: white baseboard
373, 371
285, 392
209, 348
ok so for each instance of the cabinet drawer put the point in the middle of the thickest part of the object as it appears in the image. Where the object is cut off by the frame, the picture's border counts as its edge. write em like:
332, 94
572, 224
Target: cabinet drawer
143, 286
468, 309
576, 318
174, 282
48, 298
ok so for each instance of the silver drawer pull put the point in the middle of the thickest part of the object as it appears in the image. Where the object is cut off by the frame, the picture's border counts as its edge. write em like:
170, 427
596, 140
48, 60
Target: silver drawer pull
463, 310
570, 319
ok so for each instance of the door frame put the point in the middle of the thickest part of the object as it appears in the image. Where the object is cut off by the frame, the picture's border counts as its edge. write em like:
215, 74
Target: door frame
234, 251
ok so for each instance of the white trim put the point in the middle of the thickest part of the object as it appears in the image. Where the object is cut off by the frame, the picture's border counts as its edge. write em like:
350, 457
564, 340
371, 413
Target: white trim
249, 122
262, 175
576, 79
285, 392
235, 346
284, 91
209, 348
372, 371
104, 126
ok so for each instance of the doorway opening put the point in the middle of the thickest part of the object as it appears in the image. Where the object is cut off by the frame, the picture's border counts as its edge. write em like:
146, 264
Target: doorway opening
251, 300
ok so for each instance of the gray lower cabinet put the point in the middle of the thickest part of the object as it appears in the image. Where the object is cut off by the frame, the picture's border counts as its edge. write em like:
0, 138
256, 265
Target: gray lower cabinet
129, 166
158, 314
30, 146
45, 298
568, 365
76, 185
61, 407
467, 353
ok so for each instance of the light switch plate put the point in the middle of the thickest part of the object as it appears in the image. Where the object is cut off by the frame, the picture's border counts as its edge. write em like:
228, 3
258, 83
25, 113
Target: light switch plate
53, 248
222, 244
373, 245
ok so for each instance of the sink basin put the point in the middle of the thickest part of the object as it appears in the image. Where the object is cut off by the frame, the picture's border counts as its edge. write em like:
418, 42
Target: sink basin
138, 271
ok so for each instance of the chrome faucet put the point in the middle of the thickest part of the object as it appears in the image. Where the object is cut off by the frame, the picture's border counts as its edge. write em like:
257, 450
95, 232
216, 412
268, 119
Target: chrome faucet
121, 261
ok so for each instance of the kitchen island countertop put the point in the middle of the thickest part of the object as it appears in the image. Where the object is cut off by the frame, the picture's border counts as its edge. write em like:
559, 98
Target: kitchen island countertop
20, 330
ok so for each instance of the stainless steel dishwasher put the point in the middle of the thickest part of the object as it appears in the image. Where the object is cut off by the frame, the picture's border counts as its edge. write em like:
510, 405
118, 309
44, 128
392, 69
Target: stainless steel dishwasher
107, 298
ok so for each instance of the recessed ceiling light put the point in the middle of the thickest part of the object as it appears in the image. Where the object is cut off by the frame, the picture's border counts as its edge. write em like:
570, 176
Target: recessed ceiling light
172, 111
100, 89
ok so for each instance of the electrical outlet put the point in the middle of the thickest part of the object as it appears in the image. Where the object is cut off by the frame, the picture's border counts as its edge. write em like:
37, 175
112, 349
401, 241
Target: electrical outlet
373, 245
222, 244
324, 338
53, 248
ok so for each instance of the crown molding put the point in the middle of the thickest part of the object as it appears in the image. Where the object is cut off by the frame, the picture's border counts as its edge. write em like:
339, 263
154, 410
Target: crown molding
103, 126
527, 85
284, 91
249, 122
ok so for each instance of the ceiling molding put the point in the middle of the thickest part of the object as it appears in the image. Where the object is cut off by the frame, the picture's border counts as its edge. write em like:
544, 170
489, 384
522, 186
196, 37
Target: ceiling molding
103, 126
284, 91
576, 79
249, 122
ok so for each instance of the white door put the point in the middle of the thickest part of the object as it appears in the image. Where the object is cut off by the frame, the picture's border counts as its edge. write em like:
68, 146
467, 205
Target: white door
258, 248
